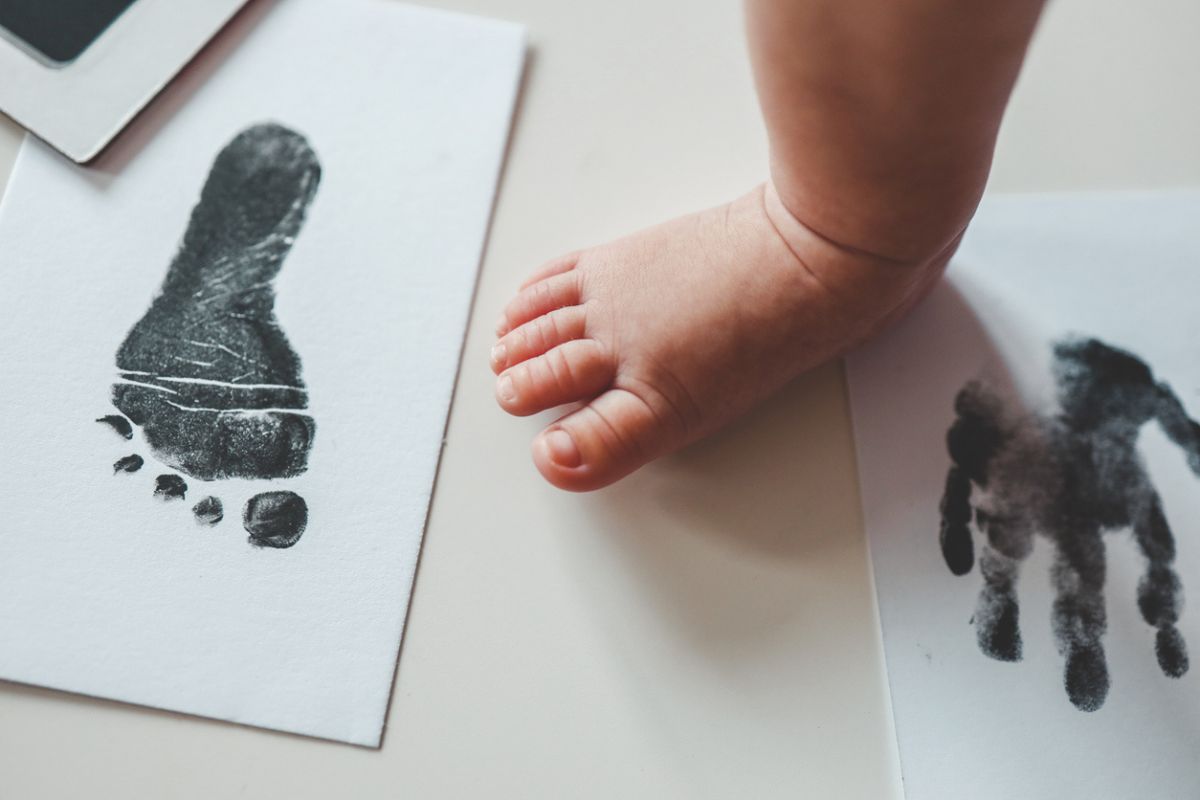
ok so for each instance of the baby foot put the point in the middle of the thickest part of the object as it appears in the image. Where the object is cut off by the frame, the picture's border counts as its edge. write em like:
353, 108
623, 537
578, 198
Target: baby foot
207, 374
668, 334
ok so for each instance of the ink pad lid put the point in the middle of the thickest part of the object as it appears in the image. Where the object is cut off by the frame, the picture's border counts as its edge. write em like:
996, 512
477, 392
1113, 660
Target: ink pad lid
75, 72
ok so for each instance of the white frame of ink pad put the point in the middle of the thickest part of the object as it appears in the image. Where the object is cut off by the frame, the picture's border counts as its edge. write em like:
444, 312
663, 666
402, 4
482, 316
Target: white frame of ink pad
80, 106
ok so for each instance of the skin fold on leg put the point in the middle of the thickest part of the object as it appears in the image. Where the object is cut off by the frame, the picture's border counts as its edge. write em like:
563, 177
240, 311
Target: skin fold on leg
882, 119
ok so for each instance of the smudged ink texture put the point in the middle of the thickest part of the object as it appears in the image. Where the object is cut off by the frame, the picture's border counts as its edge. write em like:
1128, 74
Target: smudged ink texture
207, 373
170, 487
1071, 478
118, 424
275, 519
128, 464
209, 511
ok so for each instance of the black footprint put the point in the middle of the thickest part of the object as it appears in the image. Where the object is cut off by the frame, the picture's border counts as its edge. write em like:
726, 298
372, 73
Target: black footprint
207, 373
1071, 478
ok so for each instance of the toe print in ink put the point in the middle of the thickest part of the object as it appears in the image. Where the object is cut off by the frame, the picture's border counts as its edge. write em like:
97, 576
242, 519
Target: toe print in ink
207, 374
1071, 478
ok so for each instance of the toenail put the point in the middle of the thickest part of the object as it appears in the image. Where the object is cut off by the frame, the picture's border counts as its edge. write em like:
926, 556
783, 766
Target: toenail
502, 325
506, 390
499, 355
562, 449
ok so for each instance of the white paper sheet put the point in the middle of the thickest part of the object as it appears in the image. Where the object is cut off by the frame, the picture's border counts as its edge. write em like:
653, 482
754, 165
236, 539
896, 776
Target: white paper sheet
1124, 268
107, 590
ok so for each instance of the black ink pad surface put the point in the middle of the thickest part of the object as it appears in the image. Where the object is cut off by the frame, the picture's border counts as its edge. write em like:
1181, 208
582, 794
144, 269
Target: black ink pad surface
59, 30
75, 72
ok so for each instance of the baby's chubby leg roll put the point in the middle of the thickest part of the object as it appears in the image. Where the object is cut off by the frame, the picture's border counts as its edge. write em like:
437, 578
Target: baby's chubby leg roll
882, 118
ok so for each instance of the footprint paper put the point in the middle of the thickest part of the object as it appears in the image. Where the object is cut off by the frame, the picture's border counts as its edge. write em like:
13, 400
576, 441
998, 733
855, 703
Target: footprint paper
1029, 456
228, 350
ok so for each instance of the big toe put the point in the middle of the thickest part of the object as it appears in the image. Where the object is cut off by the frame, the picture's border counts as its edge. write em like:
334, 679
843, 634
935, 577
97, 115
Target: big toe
602, 442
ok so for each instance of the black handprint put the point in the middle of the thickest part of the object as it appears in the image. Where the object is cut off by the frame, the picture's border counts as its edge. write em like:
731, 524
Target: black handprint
1071, 478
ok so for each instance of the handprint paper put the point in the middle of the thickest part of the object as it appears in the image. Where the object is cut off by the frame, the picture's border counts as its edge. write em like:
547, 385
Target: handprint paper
1029, 465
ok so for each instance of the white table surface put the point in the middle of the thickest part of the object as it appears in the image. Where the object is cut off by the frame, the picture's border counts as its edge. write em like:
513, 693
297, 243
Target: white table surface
706, 628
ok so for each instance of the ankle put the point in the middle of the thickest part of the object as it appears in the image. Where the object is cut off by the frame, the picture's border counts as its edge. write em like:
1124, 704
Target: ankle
915, 244
862, 279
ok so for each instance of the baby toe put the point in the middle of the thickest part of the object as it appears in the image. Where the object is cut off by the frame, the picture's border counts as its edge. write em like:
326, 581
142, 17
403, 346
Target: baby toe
576, 370
551, 268
557, 291
538, 336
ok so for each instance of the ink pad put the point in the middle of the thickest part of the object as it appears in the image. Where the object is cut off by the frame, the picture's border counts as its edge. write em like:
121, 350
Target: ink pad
59, 30
75, 72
